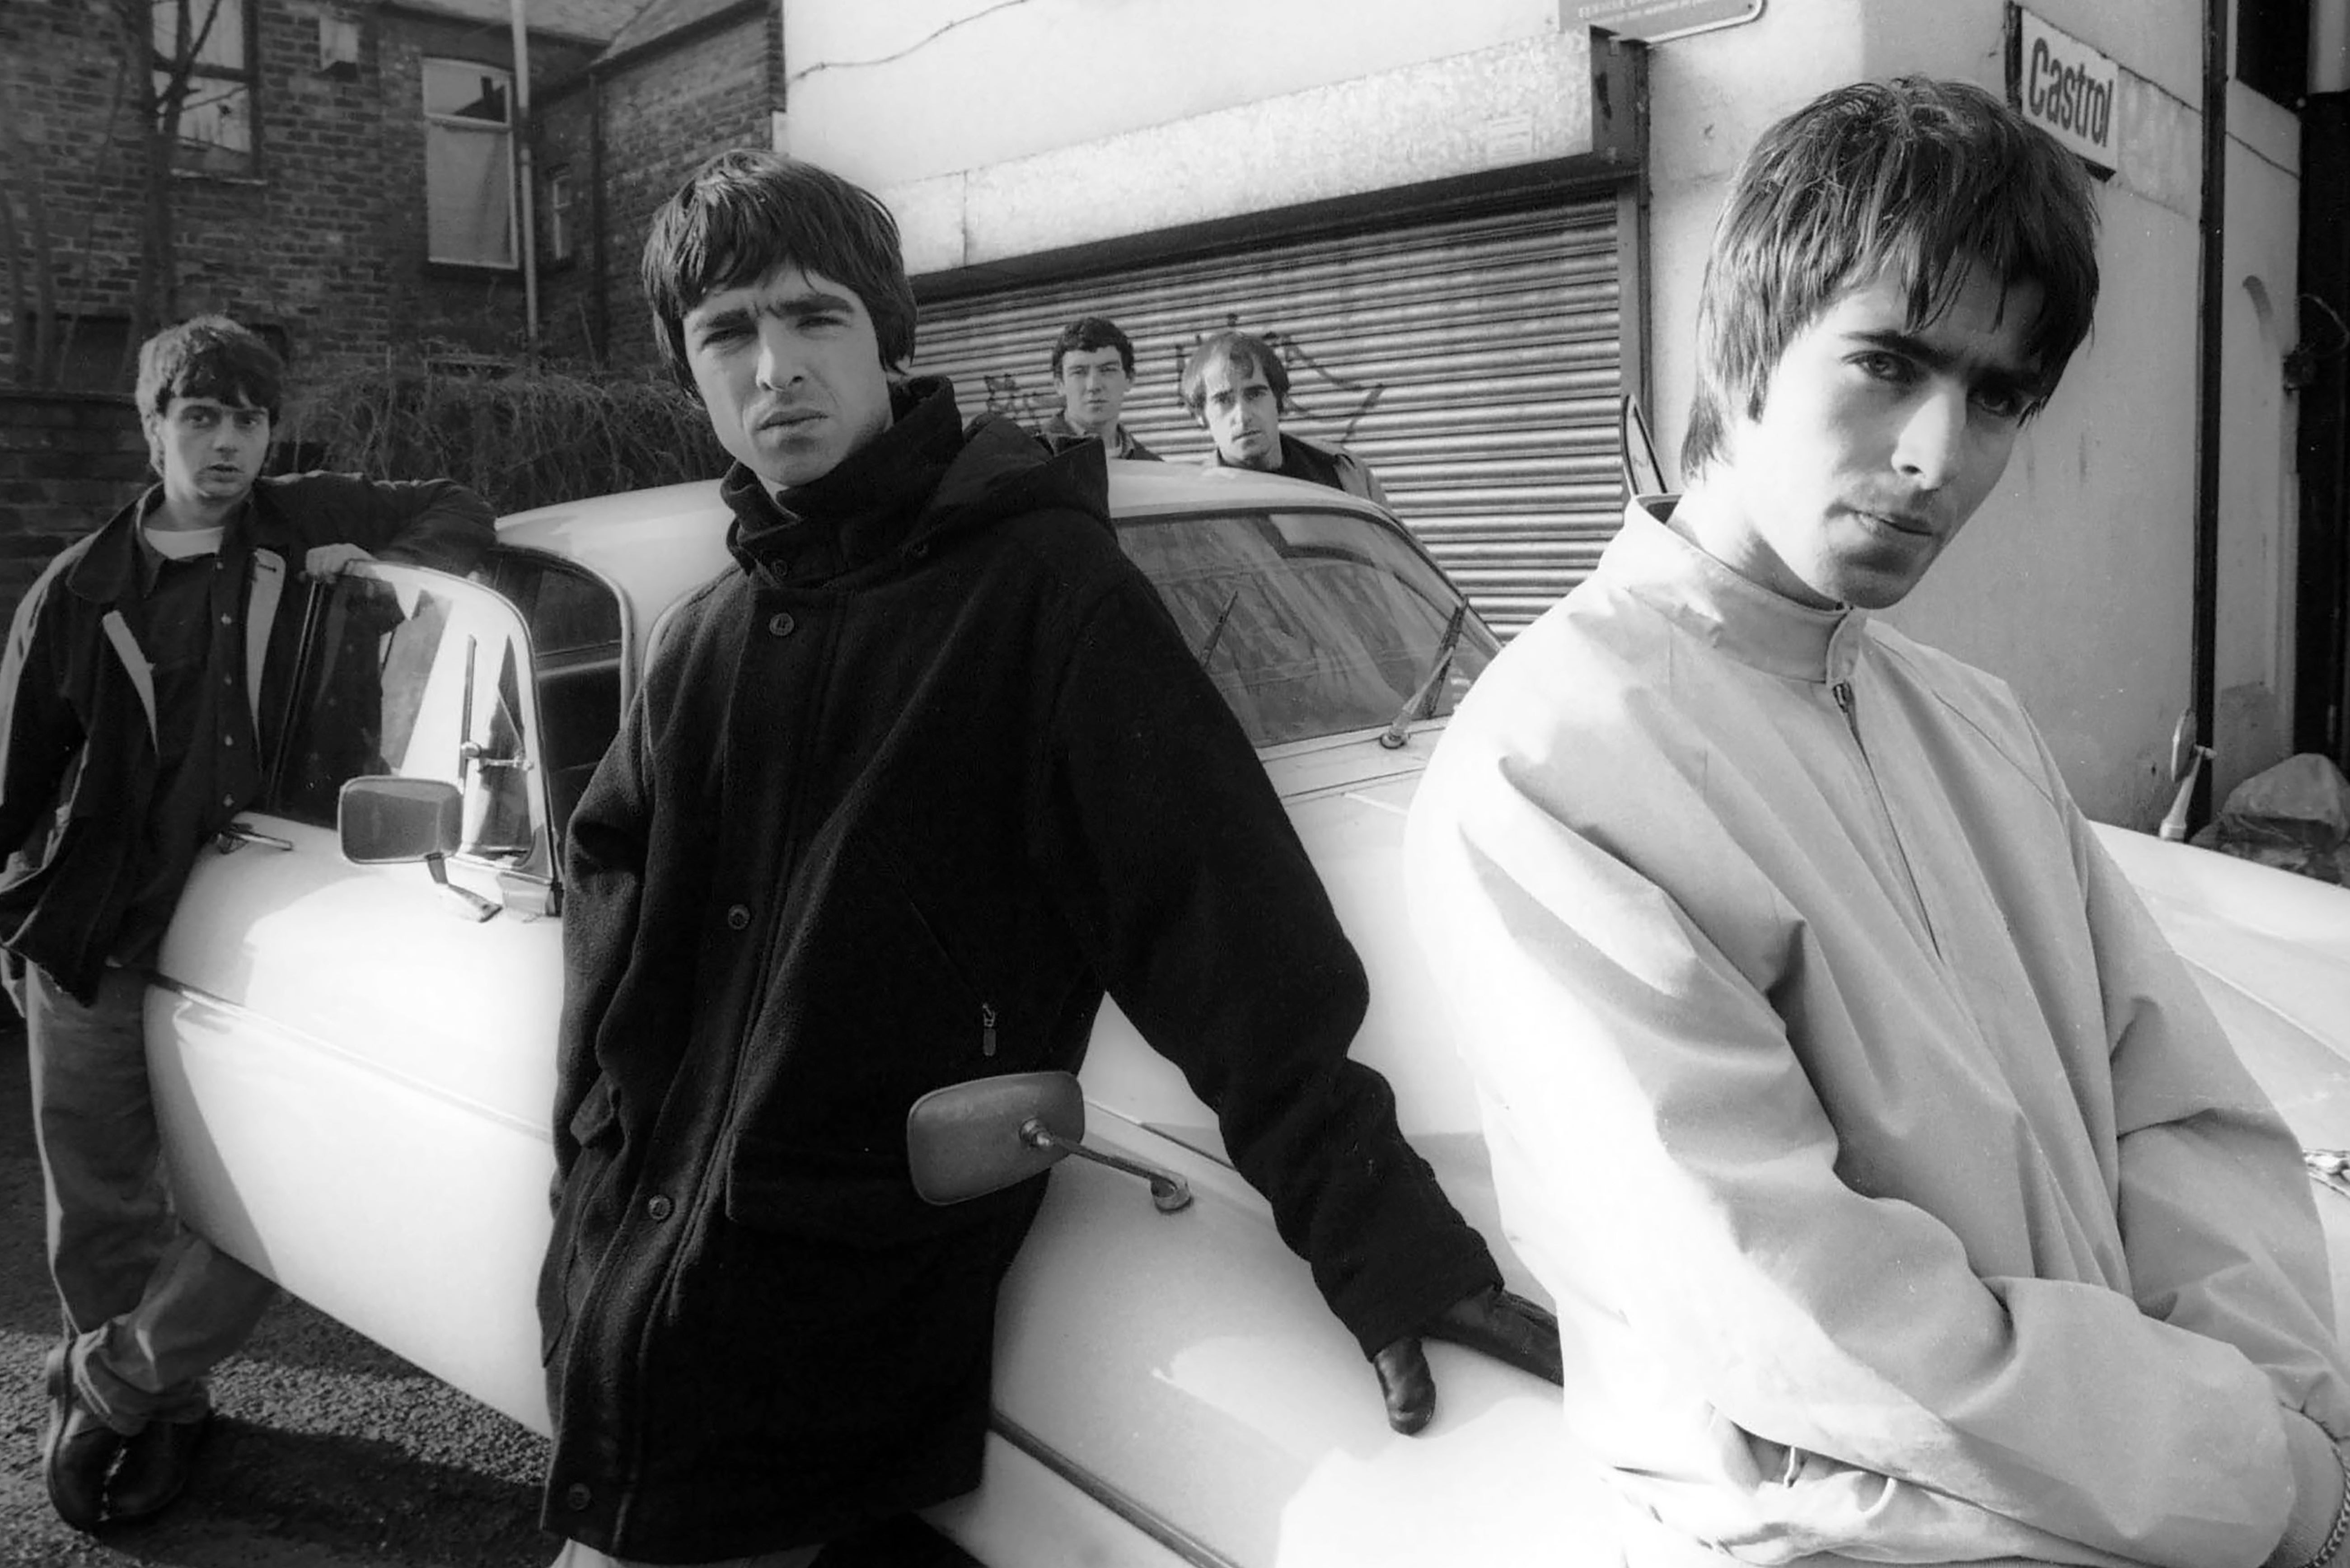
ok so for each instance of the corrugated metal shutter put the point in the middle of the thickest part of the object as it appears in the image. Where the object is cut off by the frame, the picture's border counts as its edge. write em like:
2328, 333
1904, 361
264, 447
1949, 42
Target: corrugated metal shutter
1473, 362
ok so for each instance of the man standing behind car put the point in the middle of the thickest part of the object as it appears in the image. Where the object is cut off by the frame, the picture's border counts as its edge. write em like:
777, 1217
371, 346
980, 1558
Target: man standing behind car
1904, 1199
137, 695
1092, 365
898, 797
1238, 388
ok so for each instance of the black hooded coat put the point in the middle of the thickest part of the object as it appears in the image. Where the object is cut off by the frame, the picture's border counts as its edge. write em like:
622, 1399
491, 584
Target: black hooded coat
898, 799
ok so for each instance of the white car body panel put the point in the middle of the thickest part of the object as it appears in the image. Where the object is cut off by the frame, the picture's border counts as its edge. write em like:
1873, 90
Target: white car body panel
334, 1137
1169, 1388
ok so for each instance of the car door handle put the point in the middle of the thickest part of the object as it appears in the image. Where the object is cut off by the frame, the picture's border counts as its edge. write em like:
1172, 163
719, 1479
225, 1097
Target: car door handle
237, 835
481, 756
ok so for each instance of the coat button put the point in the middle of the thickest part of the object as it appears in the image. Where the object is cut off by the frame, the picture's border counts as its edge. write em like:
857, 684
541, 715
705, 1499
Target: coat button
739, 916
781, 623
576, 1496
658, 1206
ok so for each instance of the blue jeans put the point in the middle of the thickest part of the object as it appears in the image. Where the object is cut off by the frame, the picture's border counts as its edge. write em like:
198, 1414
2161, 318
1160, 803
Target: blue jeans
151, 1305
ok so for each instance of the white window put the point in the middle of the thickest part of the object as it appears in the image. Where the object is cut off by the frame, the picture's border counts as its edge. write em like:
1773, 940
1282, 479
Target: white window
562, 220
203, 54
468, 166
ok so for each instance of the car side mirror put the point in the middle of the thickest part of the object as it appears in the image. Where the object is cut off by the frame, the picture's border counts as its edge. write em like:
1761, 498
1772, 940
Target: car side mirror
385, 821
973, 1139
388, 821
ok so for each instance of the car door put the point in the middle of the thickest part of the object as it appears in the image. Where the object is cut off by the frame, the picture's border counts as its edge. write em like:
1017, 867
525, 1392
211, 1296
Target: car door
354, 1063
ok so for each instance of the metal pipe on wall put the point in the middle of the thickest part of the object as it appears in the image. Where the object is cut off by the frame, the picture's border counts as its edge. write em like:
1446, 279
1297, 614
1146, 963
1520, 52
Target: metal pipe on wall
2209, 324
526, 177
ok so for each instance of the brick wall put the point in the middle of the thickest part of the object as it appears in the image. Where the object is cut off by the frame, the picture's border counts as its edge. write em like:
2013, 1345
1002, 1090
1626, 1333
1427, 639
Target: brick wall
67, 462
663, 114
325, 240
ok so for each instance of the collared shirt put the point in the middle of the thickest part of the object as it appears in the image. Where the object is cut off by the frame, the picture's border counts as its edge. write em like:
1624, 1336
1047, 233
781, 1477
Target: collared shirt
1058, 433
1902, 1199
187, 620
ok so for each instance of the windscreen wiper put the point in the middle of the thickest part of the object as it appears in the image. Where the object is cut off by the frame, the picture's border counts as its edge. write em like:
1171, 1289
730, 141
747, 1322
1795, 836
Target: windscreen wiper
1208, 649
1421, 703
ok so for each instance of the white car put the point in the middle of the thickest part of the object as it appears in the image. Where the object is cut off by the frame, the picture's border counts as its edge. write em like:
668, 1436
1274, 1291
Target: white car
355, 1062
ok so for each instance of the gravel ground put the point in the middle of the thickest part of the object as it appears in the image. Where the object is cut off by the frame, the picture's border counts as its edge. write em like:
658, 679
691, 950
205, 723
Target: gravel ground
328, 1452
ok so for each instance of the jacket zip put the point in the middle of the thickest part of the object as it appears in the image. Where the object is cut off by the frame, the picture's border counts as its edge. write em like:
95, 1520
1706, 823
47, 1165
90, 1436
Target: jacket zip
987, 1015
1842, 692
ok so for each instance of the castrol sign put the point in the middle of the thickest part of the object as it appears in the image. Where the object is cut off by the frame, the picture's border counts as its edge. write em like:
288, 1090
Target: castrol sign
2065, 86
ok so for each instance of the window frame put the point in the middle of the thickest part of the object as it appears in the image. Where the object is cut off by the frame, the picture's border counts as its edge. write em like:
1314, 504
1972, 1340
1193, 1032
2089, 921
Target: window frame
246, 79
562, 223
462, 125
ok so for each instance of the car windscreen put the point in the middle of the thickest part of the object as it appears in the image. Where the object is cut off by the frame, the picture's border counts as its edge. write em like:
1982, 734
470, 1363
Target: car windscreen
1311, 623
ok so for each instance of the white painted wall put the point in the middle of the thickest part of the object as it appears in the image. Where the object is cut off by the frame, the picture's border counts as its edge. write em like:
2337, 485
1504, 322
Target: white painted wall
1001, 130
966, 84
2259, 504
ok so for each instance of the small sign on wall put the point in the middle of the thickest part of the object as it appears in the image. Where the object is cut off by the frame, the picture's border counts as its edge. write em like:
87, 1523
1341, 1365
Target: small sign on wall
2065, 88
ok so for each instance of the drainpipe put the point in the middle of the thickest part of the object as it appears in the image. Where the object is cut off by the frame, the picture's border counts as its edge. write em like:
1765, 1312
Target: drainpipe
599, 303
2194, 796
525, 168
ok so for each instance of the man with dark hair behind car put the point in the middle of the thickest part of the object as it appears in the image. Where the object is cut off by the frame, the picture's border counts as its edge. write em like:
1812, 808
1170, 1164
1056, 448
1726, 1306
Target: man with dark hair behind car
1238, 388
142, 678
1905, 1200
1092, 365
897, 800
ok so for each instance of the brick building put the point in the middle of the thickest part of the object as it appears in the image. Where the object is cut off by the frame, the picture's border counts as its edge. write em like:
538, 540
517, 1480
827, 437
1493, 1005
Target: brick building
350, 178
682, 80
345, 179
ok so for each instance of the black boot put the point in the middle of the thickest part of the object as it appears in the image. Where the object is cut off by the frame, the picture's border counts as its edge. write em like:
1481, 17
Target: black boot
155, 1468
78, 1449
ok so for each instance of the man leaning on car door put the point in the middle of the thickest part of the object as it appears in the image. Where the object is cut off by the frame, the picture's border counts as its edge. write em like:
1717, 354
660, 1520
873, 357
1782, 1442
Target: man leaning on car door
135, 705
900, 798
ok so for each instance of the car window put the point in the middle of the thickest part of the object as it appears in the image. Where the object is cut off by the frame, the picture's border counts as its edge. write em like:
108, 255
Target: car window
1310, 623
418, 675
576, 635
569, 611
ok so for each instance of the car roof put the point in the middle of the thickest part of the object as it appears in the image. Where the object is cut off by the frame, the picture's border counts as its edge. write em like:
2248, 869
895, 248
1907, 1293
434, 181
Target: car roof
655, 544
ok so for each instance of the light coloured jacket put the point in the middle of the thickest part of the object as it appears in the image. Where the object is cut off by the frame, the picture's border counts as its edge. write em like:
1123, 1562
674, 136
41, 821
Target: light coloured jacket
1902, 1198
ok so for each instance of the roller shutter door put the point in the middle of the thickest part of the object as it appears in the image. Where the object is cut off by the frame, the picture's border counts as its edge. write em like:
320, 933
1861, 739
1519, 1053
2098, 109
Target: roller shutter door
1472, 361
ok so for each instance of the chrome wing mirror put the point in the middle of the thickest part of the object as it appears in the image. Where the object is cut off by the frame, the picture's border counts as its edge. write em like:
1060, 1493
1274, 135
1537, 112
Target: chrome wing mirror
387, 821
969, 1139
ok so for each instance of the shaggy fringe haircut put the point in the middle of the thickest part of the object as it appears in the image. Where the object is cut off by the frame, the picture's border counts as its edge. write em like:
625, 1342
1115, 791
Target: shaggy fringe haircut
1087, 335
1243, 351
209, 356
745, 213
1923, 178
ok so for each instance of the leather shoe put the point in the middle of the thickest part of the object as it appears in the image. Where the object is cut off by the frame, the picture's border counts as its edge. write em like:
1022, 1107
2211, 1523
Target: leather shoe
76, 1449
156, 1464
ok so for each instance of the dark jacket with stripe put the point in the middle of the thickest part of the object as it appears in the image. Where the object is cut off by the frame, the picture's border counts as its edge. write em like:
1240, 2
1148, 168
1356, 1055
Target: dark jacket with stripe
899, 798
76, 702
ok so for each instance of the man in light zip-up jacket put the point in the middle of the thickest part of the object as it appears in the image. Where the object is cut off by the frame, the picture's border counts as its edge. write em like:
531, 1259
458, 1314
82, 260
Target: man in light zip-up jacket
144, 674
1902, 1199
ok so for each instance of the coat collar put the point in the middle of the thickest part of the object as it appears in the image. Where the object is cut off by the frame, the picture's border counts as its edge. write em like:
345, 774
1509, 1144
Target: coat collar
112, 570
924, 478
1653, 563
865, 509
